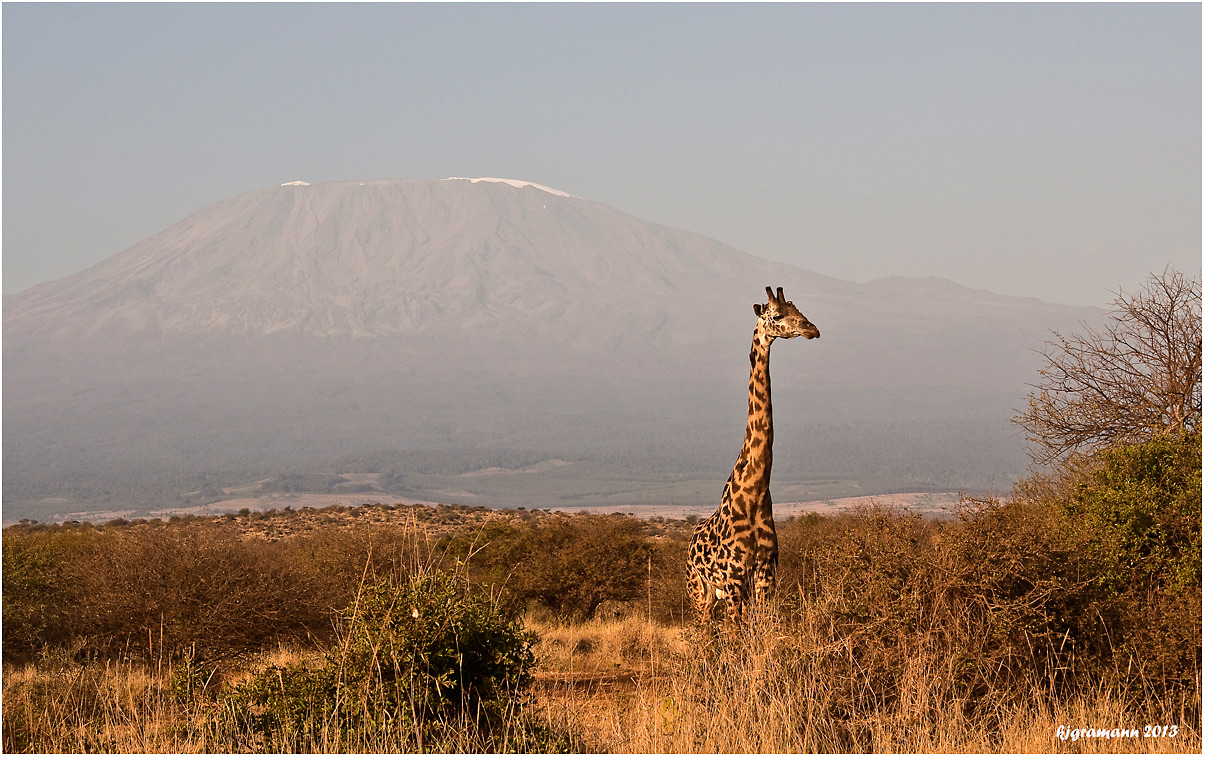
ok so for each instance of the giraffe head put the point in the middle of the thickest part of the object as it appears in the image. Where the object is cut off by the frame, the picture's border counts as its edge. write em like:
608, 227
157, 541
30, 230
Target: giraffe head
780, 318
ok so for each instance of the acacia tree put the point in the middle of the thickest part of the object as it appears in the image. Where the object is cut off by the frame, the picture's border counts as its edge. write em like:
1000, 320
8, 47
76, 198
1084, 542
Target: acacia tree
1137, 379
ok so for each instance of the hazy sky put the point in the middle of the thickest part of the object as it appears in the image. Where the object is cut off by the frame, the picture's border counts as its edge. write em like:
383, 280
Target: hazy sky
1044, 150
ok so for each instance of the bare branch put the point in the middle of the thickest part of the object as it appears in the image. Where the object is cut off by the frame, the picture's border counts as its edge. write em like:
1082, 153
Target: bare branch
1136, 379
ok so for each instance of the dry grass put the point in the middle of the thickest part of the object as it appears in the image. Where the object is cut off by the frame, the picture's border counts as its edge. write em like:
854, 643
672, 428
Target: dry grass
626, 685
112, 707
629, 645
771, 691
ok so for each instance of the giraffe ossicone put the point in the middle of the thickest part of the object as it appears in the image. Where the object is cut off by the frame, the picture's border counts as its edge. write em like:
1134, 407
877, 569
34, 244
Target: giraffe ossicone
734, 553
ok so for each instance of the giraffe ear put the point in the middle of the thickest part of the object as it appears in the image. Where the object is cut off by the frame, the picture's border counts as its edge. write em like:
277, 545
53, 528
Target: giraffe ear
757, 309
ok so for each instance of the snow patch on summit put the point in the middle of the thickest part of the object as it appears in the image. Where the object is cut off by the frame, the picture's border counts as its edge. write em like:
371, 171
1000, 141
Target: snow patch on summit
514, 183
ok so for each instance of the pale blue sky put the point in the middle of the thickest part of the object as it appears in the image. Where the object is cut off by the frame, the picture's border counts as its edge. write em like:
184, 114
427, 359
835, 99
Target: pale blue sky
1042, 150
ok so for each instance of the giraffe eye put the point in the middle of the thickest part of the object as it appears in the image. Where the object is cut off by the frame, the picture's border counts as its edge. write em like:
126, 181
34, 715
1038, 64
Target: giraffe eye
777, 318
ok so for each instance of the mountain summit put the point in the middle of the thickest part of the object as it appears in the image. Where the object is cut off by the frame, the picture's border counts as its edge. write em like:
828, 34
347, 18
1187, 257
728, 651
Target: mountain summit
514, 183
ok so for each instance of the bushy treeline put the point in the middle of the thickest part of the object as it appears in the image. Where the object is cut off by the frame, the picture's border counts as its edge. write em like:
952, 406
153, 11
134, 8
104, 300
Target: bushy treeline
154, 589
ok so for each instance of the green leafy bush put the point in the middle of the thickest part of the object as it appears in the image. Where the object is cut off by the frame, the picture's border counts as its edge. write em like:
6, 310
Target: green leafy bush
1136, 516
190, 678
1139, 512
411, 656
36, 594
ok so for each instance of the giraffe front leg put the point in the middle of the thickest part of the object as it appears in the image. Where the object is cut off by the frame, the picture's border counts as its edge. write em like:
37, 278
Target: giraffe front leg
765, 576
765, 560
736, 592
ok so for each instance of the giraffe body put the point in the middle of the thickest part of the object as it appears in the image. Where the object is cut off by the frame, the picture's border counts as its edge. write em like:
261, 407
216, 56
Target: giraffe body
734, 553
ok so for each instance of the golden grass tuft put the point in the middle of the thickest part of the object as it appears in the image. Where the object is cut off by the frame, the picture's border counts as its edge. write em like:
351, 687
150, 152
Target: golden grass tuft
625, 645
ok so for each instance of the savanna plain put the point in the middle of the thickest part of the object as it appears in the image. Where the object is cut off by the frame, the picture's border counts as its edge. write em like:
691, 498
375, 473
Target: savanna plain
1063, 617
417, 628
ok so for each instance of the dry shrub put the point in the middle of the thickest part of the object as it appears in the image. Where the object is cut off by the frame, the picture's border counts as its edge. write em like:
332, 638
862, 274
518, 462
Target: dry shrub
570, 565
337, 562
987, 608
669, 601
159, 591
1017, 582
877, 607
154, 591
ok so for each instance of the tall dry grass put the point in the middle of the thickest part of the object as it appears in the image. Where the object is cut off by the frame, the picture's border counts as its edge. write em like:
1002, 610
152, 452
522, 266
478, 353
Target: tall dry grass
768, 691
68, 707
786, 687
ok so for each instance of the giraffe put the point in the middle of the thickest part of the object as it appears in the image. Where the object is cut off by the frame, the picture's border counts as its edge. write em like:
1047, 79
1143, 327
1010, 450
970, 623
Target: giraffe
736, 549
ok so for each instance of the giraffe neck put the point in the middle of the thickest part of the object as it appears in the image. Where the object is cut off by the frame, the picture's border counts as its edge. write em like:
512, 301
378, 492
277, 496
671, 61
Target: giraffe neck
751, 476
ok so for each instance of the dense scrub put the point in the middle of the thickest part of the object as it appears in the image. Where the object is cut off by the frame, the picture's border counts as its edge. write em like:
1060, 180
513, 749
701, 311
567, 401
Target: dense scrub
1070, 583
157, 590
218, 588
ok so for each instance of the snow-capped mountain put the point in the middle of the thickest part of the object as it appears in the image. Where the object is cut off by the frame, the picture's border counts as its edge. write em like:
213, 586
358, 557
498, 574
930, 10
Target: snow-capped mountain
313, 321
364, 259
